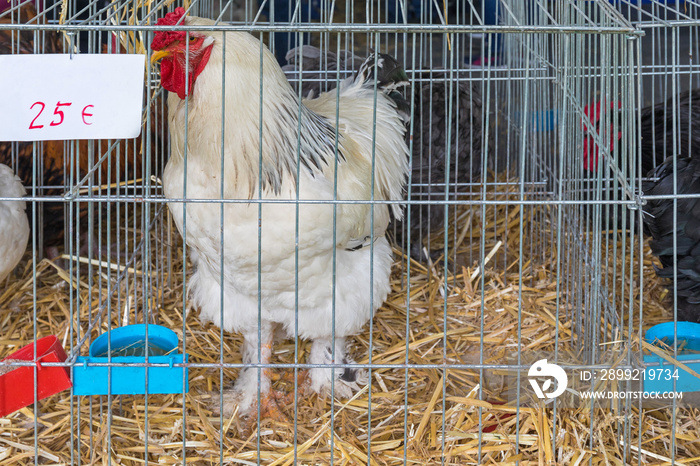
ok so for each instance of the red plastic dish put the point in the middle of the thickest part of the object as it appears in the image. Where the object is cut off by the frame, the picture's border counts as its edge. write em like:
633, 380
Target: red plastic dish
498, 417
17, 385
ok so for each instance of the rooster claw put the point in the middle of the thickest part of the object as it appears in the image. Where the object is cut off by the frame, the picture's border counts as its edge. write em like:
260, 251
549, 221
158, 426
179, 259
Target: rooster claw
226, 404
281, 396
273, 404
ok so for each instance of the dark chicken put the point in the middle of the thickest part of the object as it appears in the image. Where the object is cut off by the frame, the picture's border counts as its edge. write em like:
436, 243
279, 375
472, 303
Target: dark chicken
20, 154
659, 224
657, 159
657, 136
57, 169
431, 123
656, 128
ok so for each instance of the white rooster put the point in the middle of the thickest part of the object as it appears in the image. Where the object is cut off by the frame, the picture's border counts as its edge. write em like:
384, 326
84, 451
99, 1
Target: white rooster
281, 263
14, 225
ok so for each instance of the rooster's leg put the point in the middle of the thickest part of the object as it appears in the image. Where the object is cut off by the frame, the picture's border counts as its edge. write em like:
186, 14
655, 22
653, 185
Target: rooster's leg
252, 380
347, 379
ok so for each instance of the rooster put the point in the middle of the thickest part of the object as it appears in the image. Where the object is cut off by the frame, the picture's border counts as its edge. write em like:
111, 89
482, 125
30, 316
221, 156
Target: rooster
314, 269
431, 122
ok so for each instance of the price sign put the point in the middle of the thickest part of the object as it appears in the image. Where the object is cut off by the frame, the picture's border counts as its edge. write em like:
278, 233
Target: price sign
54, 97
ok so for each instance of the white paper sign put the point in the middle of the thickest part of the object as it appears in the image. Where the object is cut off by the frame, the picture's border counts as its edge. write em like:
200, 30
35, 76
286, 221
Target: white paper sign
53, 97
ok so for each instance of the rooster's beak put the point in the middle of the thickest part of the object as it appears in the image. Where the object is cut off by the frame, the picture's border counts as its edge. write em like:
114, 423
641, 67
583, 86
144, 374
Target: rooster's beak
158, 54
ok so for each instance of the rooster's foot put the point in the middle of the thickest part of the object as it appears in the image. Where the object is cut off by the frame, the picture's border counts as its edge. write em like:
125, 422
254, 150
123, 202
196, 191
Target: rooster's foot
285, 388
244, 396
277, 392
341, 382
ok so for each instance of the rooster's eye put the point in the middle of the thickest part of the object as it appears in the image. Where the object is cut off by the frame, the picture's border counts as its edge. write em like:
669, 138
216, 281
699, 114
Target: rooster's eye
191, 39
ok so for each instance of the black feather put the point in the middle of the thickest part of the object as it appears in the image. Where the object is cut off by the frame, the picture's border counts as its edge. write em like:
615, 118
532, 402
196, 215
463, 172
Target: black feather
659, 224
657, 129
389, 75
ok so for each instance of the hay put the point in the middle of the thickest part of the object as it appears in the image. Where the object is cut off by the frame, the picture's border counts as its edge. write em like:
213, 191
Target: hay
445, 416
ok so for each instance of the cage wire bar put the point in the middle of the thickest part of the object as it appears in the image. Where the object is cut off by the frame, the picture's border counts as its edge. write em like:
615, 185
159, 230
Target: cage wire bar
509, 218
586, 221
560, 78
669, 82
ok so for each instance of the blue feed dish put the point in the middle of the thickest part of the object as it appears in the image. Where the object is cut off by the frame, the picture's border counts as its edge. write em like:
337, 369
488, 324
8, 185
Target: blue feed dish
131, 341
687, 332
125, 372
659, 374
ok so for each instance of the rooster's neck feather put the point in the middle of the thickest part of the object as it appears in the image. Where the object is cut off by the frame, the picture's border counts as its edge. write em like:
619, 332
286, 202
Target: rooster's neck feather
259, 156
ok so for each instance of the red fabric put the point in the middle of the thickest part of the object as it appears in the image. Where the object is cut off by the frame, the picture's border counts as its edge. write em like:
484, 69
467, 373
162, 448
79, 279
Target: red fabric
590, 123
590, 154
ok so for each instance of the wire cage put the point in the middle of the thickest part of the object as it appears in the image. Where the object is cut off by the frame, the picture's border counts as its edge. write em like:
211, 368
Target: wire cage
521, 240
668, 120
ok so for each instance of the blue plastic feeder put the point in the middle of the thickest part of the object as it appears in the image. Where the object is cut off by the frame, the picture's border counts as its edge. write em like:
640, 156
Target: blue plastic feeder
659, 374
127, 373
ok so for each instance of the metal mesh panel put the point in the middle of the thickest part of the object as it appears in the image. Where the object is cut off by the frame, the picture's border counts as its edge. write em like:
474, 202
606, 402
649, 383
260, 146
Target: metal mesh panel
521, 237
668, 87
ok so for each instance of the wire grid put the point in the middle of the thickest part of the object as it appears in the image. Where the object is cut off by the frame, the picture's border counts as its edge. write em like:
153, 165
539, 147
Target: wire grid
561, 78
671, 33
541, 66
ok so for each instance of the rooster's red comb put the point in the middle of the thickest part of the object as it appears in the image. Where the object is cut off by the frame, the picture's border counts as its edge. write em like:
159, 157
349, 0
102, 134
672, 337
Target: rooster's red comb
163, 38
172, 18
593, 112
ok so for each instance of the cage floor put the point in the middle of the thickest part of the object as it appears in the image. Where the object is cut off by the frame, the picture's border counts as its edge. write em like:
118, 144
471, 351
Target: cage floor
402, 417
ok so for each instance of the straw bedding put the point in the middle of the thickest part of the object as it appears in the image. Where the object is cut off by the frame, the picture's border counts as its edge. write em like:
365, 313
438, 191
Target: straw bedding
398, 417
